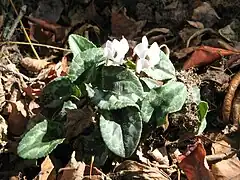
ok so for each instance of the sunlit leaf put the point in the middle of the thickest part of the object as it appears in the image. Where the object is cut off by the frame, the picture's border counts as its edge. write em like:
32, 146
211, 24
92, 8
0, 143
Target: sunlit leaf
121, 130
83, 61
166, 99
202, 113
79, 43
33, 146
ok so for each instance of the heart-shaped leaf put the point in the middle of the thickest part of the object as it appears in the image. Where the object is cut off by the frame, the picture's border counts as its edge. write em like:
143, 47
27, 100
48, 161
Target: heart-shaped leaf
79, 43
166, 99
108, 100
84, 61
57, 91
162, 71
121, 81
32, 146
121, 130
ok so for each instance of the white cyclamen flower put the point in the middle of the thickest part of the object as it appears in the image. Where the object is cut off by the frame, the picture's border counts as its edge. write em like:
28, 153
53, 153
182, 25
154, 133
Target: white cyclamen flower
116, 51
148, 57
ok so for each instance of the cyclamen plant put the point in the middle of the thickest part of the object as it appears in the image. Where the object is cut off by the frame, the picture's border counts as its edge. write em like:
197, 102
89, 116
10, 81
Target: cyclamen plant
120, 99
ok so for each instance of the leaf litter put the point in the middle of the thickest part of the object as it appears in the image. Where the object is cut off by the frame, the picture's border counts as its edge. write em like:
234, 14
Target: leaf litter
99, 132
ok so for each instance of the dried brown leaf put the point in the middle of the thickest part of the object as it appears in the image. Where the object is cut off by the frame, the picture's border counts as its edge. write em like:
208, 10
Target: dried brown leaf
131, 169
227, 169
47, 170
122, 25
33, 65
74, 170
228, 100
205, 14
196, 24
193, 162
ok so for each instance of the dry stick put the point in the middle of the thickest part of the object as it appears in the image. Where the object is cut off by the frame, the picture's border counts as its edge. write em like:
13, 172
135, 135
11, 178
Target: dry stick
36, 44
14, 26
25, 32
198, 33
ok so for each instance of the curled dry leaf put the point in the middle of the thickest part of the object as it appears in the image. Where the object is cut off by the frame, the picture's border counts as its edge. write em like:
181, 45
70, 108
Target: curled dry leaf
231, 101
193, 162
227, 169
17, 119
206, 55
33, 65
122, 25
34, 108
47, 170
73, 170
133, 170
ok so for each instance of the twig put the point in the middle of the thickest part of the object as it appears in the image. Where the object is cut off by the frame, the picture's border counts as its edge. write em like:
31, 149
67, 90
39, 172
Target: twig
20, 15
36, 44
25, 32
198, 33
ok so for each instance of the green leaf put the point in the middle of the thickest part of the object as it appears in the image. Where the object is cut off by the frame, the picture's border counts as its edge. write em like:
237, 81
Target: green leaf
202, 112
107, 100
121, 81
32, 146
83, 61
79, 43
151, 83
56, 92
121, 130
162, 71
166, 99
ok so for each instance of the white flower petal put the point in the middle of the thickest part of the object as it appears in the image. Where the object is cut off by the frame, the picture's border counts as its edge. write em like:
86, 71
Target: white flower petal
145, 41
153, 54
141, 64
124, 46
140, 50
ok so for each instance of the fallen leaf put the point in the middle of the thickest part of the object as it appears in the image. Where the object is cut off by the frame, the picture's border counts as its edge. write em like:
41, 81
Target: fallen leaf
17, 119
160, 155
227, 169
133, 170
42, 28
33, 65
47, 170
74, 170
122, 25
184, 52
233, 61
230, 32
206, 55
196, 24
49, 9
228, 100
193, 162
34, 108
205, 14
